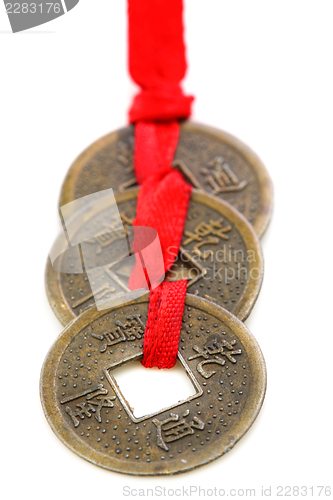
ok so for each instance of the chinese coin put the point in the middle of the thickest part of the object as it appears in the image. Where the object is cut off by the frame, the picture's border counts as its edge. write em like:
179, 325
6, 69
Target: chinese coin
88, 411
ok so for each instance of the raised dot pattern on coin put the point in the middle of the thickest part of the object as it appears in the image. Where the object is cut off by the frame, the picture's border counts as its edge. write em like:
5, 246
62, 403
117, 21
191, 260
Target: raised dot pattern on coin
88, 412
211, 159
220, 255
221, 171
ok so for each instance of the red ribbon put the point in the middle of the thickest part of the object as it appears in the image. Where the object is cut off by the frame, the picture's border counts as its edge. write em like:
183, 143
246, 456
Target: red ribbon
157, 63
157, 60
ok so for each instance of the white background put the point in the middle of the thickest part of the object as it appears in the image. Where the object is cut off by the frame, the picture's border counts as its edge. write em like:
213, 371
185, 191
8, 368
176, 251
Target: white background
261, 70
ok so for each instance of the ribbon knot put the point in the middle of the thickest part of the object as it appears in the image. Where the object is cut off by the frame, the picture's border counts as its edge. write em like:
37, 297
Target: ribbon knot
160, 104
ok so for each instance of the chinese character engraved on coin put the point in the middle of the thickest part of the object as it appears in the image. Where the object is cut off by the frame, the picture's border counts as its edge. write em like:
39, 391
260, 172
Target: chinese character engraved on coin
167, 433
221, 178
210, 233
215, 355
133, 329
94, 402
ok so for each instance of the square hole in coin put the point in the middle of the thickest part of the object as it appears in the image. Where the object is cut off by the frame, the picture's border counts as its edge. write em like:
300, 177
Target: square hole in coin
149, 390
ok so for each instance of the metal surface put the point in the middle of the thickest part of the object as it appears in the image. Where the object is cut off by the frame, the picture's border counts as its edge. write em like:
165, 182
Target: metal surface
220, 255
88, 412
210, 159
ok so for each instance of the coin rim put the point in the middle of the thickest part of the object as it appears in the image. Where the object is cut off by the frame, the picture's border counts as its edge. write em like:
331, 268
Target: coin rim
64, 432
244, 307
265, 183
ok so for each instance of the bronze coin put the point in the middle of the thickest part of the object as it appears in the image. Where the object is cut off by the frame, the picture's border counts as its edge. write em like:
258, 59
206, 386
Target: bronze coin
220, 256
87, 410
210, 159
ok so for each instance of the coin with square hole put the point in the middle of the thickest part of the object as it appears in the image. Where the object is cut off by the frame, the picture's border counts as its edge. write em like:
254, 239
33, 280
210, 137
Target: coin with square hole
220, 256
88, 410
210, 159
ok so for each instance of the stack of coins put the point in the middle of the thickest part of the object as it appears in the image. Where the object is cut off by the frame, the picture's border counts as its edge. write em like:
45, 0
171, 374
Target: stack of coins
220, 256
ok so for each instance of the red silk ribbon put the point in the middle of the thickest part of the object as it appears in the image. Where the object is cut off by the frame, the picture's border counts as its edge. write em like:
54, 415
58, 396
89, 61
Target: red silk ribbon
157, 60
157, 63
